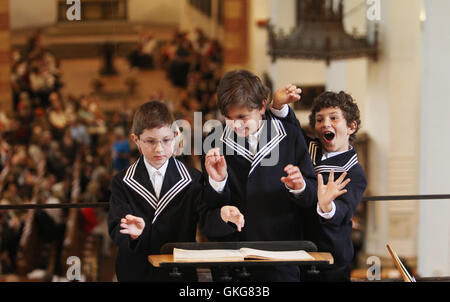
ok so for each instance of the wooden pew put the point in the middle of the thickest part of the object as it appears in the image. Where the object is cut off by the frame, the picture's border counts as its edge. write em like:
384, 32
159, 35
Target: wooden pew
77, 242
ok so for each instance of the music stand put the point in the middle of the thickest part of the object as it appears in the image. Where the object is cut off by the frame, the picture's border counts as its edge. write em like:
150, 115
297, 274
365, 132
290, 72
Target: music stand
165, 260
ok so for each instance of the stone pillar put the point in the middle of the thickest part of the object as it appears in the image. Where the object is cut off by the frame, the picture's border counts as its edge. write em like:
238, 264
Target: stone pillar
393, 124
236, 33
434, 224
5, 86
258, 46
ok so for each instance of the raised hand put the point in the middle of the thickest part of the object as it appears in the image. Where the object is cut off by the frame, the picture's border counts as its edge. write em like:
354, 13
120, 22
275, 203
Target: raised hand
132, 225
286, 95
329, 192
294, 180
216, 165
232, 214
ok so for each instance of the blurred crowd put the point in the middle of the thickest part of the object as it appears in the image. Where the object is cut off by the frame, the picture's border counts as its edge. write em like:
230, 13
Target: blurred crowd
193, 63
47, 133
39, 144
35, 71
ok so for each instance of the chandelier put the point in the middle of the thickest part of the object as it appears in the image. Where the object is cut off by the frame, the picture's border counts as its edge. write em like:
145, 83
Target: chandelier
320, 35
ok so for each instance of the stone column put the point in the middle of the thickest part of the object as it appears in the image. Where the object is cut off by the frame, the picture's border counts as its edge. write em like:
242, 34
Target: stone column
393, 124
236, 34
434, 223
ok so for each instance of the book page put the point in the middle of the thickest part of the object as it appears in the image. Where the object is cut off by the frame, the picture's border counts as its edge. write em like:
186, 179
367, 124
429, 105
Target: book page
207, 255
276, 255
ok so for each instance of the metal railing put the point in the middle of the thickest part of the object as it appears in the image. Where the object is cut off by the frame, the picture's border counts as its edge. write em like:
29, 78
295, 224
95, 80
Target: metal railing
31, 206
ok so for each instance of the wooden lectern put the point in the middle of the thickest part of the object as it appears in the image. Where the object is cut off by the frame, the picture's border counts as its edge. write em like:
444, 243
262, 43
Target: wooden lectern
166, 259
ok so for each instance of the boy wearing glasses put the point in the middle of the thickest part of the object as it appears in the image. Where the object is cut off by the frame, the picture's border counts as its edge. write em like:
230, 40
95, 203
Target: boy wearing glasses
156, 200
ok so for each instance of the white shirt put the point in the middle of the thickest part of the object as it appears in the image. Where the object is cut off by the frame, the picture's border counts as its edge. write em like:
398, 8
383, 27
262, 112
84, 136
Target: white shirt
282, 113
156, 175
326, 155
253, 140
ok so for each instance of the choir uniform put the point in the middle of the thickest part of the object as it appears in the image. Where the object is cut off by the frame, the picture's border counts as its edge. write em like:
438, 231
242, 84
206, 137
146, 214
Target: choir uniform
333, 234
271, 211
170, 216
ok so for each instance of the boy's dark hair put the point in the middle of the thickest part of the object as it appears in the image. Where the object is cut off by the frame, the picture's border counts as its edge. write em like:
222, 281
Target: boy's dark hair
153, 114
243, 89
341, 100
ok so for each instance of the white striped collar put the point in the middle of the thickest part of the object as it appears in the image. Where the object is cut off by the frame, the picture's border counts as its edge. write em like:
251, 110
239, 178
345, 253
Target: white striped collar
158, 204
254, 159
340, 169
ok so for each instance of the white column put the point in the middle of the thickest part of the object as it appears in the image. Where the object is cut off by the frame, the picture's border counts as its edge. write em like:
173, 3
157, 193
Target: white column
392, 122
434, 222
258, 59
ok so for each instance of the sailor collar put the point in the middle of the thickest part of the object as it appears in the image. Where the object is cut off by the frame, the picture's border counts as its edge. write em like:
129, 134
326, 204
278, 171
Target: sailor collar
176, 179
272, 131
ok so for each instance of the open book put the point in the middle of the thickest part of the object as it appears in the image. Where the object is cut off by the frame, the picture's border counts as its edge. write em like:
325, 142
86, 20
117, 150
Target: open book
242, 254
400, 267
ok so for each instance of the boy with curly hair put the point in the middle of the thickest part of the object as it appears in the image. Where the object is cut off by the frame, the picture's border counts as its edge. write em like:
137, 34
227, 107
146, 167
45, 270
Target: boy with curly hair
335, 119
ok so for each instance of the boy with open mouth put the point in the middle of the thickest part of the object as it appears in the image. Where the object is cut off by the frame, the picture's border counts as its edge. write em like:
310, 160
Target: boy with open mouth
335, 121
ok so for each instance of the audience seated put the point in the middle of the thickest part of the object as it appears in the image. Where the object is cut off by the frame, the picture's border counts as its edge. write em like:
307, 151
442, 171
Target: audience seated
47, 131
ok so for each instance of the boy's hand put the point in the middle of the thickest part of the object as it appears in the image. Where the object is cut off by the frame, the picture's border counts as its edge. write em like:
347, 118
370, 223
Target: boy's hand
286, 95
216, 165
294, 180
329, 192
132, 226
232, 214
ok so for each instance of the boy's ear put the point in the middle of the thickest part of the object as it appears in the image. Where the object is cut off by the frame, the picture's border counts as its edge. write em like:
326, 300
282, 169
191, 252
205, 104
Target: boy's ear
352, 127
135, 139
263, 107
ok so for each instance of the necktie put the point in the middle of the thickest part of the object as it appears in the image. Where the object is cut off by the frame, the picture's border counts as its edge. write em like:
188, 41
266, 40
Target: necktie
157, 182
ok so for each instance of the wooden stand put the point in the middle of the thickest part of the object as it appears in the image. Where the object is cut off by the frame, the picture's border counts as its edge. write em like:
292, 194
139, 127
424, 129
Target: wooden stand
165, 259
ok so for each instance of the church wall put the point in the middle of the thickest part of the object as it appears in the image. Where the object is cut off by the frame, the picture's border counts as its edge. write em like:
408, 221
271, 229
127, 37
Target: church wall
26, 13
155, 11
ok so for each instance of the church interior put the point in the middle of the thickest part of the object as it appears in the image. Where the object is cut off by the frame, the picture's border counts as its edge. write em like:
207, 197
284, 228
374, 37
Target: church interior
73, 72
